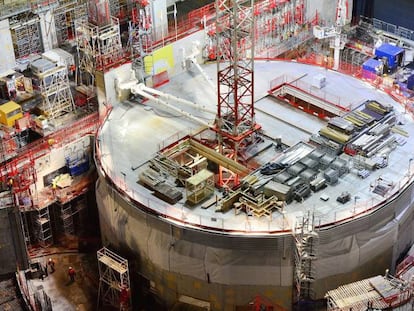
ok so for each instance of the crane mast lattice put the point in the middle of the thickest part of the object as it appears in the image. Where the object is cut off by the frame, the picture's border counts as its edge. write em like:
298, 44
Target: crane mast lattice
235, 122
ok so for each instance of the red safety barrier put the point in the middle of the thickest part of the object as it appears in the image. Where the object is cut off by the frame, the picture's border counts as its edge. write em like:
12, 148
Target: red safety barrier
199, 14
160, 78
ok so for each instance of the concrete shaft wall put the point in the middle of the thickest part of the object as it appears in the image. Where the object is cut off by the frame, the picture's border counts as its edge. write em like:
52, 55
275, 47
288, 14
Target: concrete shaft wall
231, 270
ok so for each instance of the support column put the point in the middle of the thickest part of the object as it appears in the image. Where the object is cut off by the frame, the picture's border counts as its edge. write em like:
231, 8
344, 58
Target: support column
159, 19
48, 31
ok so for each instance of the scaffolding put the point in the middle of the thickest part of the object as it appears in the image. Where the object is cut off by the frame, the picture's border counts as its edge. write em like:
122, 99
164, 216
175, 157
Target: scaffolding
99, 48
119, 9
18, 178
140, 43
278, 27
25, 32
68, 211
277, 21
8, 147
114, 284
65, 16
306, 241
42, 226
67, 219
55, 89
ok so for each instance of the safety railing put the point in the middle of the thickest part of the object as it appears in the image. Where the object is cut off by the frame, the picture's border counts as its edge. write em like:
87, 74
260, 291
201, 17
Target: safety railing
231, 223
332, 99
278, 224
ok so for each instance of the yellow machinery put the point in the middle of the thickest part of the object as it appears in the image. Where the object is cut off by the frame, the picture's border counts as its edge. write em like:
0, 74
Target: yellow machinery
10, 112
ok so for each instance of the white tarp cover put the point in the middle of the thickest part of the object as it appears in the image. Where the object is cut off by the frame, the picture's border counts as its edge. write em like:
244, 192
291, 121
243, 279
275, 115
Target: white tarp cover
233, 266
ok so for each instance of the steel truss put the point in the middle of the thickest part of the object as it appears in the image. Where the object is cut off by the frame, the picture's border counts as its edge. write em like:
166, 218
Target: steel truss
55, 89
235, 122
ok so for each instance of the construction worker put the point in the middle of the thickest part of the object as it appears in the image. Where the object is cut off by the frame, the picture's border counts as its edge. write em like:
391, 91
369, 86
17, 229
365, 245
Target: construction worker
44, 269
51, 264
71, 273
10, 183
124, 297
54, 186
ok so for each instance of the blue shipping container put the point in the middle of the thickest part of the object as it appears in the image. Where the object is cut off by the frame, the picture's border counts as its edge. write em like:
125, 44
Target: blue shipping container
394, 54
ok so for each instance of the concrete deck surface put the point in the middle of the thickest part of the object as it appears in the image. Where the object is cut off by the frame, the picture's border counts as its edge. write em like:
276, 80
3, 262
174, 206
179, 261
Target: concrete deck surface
134, 132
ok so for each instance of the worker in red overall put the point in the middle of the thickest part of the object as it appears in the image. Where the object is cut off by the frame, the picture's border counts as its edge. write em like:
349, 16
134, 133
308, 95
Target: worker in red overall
51, 264
71, 273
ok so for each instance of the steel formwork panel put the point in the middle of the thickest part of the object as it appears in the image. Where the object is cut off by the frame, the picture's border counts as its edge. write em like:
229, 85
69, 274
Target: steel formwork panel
120, 8
61, 27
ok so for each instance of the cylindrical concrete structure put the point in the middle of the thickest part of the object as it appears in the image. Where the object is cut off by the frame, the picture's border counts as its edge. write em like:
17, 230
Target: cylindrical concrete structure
229, 270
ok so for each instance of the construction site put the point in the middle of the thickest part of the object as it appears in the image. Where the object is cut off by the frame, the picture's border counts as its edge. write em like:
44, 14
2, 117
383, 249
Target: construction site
206, 155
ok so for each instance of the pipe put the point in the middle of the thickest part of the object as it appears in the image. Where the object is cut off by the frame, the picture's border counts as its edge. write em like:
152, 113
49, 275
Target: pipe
139, 89
133, 82
177, 99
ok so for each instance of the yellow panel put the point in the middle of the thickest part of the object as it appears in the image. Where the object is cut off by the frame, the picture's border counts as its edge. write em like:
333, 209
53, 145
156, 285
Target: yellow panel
8, 108
161, 60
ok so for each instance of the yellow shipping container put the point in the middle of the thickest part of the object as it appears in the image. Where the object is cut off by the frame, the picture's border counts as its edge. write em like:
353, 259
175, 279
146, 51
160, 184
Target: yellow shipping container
10, 112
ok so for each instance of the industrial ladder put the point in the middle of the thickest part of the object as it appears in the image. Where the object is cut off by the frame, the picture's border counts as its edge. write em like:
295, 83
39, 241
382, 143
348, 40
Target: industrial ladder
306, 240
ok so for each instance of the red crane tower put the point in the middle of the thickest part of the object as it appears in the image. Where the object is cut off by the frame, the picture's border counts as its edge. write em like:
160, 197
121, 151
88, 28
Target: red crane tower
235, 121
